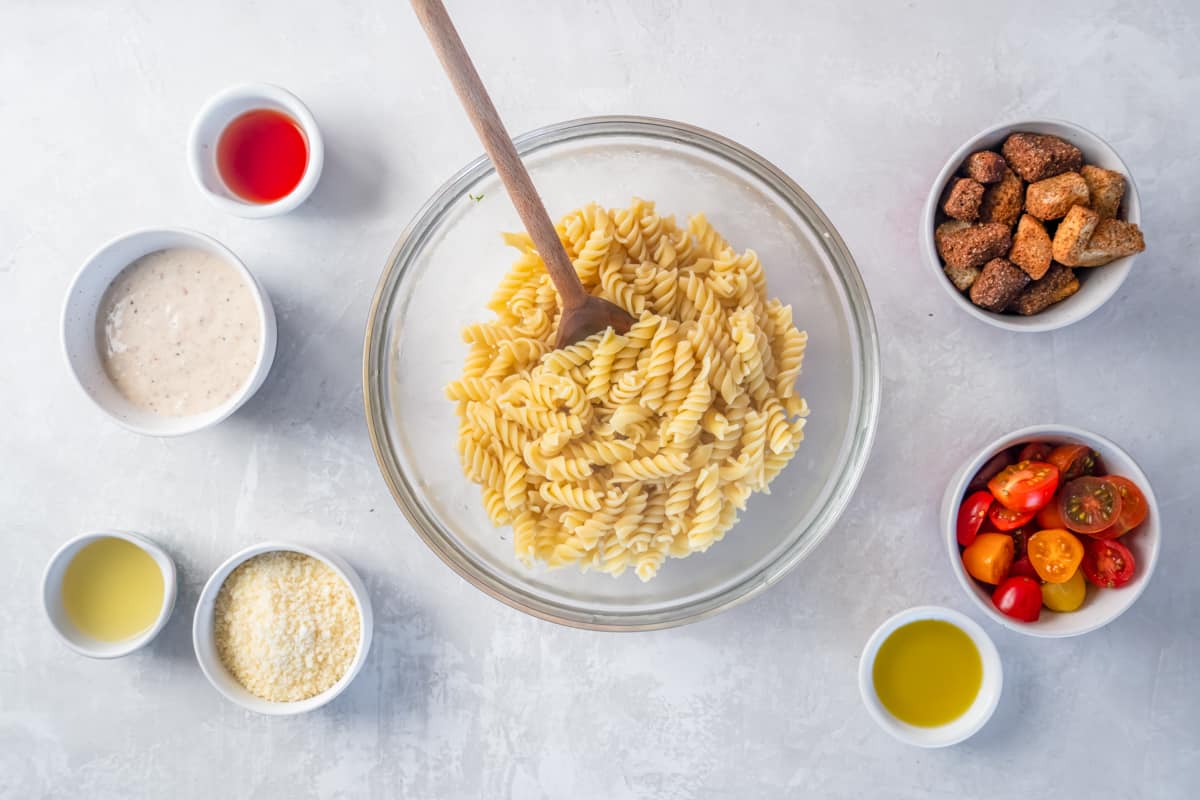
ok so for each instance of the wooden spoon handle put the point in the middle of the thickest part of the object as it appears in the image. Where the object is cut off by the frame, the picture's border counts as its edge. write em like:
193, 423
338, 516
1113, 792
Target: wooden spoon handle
499, 146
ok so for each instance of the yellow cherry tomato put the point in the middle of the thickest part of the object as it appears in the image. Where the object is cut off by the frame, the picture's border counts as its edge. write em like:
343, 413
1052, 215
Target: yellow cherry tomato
1055, 554
1065, 596
989, 557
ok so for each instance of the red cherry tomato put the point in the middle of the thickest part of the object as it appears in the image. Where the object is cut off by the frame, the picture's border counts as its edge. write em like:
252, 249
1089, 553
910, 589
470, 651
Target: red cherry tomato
1025, 486
1133, 508
971, 515
1006, 520
1108, 565
1020, 598
1034, 451
1023, 568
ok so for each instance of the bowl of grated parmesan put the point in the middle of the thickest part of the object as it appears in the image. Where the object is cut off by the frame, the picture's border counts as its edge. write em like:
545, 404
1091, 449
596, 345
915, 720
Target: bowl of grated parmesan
281, 628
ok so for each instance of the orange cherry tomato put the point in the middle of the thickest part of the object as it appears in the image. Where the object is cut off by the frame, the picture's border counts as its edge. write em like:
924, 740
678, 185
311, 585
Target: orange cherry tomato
1025, 486
1050, 516
989, 557
1133, 508
1055, 554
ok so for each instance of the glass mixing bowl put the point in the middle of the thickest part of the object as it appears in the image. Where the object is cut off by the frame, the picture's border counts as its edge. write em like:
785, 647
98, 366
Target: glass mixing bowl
450, 259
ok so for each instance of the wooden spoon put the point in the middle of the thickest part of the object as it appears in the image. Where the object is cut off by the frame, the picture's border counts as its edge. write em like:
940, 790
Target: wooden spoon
582, 314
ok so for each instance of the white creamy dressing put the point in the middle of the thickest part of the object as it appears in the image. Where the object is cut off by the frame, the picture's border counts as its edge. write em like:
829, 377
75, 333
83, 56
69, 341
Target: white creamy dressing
178, 331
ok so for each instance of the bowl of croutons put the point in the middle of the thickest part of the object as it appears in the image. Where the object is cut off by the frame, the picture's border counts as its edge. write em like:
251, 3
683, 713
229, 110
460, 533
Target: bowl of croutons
1032, 226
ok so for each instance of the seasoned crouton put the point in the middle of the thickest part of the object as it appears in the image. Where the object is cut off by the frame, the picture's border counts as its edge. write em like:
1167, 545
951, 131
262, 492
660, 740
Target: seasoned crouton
1058, 284
1053, 197
1106, 189
974, 246
1111, 240
985, 166
962, 277
1031, 247
1037, 156
1071, 238
963, 199
998, 285
949, 226
1002, 201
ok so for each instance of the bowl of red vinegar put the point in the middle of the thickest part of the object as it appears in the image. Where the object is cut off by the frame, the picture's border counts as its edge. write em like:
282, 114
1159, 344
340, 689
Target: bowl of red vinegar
255, 150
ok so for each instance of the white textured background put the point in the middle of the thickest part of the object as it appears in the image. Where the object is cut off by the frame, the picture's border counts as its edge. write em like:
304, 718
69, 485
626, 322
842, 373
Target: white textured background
462, 697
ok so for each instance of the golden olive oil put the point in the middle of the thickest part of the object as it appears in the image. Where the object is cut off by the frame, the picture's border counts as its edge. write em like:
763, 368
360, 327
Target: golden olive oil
927, 673
112, 589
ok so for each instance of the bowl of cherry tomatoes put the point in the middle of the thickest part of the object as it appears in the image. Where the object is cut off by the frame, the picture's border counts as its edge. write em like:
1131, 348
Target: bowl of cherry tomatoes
1053, 531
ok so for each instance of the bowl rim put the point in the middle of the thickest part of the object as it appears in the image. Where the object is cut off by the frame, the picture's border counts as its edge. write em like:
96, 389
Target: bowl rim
861, 432
267, 338
107, 650
270, 95
1121, 266
957, 486
955, 731
205, 649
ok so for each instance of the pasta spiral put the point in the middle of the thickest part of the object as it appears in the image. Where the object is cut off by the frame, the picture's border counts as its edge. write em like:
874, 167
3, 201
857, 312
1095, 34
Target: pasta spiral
620, 451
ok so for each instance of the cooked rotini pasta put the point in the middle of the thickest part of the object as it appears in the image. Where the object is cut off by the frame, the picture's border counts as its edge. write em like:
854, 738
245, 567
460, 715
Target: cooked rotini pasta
623, 449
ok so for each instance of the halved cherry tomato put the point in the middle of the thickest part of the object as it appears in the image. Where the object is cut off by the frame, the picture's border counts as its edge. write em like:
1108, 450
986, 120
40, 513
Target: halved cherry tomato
1035, 451
1025, 486
1067, 596
1073, 460
1133, 508
989, 470
971, 515
1089, 505
1006, 520
1050, 516
1020, 539
989, 557
1055, 554
1108, 565
1019, 598
1024, 568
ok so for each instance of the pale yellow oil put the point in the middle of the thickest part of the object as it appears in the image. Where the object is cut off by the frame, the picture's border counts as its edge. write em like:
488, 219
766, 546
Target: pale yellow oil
927, 673
112, 590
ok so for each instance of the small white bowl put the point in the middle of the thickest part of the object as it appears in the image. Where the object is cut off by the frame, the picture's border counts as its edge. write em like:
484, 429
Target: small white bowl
52, 596
1102, 606
79, 330
212, 120
206, 648
973, 719
1097, 284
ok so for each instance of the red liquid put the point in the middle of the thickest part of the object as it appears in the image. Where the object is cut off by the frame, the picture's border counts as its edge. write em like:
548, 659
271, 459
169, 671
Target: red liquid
262, 155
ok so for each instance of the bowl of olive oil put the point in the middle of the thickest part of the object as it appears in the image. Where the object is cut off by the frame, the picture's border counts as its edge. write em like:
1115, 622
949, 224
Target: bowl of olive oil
930, 676
109, 593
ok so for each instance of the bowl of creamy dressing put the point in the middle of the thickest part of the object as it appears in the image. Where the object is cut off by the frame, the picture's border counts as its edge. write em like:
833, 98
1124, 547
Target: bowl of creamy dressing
167, 331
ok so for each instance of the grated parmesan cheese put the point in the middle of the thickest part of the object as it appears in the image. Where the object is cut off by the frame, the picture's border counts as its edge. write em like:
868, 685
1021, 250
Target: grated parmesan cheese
286, 626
